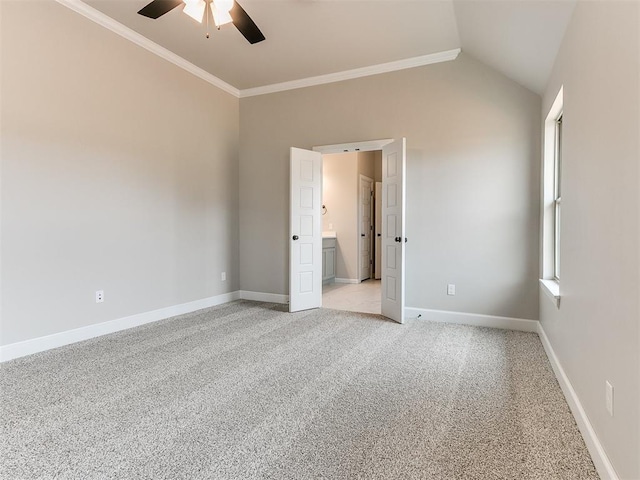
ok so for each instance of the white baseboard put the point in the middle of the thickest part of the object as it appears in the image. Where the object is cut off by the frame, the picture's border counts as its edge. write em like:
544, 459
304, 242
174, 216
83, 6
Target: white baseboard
598, 455
346, 280
474, 319
40, 344
264, 297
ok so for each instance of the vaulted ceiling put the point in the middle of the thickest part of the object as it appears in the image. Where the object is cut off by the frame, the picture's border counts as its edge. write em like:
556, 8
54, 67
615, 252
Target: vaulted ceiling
307, 38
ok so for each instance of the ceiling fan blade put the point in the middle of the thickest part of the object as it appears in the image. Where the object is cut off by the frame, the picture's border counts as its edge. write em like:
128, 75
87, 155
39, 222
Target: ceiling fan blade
245, 25
157, 8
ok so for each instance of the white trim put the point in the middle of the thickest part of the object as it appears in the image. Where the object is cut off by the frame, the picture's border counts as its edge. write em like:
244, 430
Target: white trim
547, 205
355, 73
367, 146
347, 280
474, 319
40, 344
552, 289
598, 455
264, 297
133, 36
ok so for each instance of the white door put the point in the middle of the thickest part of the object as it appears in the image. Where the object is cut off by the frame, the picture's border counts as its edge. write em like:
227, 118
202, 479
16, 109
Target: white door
393, 239
305, 230
365, 222
378, 229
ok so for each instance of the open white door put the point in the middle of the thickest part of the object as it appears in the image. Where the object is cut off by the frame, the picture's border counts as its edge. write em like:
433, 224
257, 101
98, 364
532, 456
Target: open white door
305, 231
378, 229
365, 227
393, 238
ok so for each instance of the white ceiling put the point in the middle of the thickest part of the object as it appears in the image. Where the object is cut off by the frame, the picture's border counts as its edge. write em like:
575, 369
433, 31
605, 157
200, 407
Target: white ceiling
307, 38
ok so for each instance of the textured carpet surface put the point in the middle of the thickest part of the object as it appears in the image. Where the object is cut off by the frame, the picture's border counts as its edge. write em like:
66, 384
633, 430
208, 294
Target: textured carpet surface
246, 390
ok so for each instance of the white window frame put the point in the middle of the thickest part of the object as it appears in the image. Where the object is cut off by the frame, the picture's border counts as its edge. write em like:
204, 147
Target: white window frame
552, 200
557, 197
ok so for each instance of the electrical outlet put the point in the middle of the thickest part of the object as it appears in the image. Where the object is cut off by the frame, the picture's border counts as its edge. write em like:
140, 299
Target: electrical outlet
223, 276
99, 296
451, 289
609, 397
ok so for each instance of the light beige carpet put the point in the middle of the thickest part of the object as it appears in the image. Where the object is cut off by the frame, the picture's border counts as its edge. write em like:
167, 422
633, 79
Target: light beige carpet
246, 390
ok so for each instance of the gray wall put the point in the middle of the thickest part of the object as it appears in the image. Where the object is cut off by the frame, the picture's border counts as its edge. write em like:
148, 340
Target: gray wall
367, 164
119, 172
596, 331
473, 141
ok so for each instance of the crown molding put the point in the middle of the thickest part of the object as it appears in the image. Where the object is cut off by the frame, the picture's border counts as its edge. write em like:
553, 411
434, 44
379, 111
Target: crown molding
133, 36
355, 73
100, 18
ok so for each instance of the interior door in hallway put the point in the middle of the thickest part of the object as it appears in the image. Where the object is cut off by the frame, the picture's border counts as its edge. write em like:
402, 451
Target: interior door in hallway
365, 230
305, 230
377, 228
393, 225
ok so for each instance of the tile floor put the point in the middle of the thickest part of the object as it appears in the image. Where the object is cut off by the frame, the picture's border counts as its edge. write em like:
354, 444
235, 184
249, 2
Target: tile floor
357, 297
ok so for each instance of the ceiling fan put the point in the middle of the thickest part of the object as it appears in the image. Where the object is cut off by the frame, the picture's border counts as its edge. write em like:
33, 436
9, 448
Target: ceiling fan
222, 11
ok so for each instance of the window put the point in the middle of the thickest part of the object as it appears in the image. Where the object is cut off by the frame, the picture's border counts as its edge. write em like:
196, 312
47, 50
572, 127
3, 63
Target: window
557, 197
552, 200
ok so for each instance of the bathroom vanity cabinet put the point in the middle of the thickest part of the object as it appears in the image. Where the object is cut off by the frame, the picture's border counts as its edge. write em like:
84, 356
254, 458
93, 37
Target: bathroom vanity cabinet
328, 260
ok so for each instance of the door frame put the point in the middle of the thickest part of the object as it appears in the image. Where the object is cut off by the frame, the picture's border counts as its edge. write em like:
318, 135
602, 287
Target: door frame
368, 146
365, 146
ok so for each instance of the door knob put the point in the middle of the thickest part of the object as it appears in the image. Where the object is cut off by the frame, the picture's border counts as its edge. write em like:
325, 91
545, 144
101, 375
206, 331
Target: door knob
362, 234
398, 239
295, 237
378, 234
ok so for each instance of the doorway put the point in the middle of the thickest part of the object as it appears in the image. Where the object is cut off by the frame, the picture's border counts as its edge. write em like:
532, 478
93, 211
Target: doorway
365, 297
349, 225
307, 252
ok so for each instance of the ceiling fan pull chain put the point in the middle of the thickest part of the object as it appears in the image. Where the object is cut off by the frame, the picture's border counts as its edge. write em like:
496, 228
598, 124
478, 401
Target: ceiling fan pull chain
206, 14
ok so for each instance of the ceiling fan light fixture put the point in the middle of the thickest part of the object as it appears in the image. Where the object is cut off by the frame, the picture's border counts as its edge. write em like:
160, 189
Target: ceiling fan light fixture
223, 5
220, 10
220, 17
195, 9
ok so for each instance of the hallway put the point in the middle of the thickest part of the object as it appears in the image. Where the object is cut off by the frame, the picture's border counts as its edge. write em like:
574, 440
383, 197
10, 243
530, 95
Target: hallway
354, 297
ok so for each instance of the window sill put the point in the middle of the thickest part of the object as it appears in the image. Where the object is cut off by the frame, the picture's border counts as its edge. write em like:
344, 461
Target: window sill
551, 288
